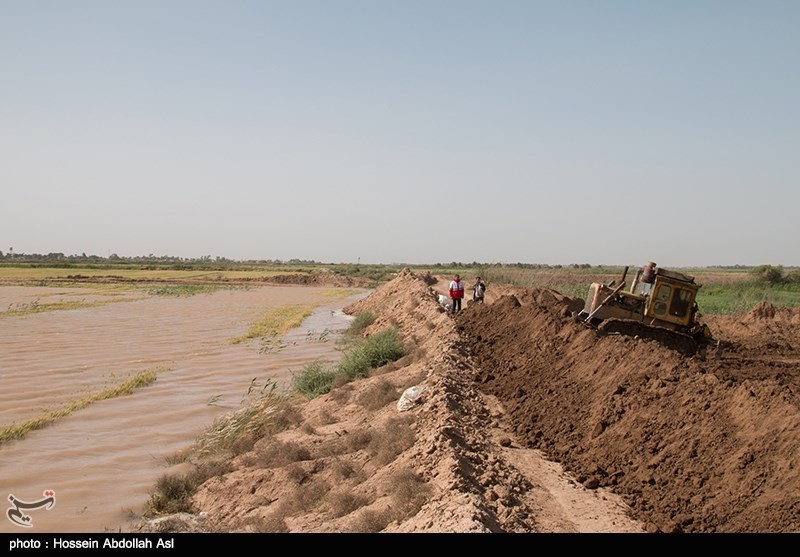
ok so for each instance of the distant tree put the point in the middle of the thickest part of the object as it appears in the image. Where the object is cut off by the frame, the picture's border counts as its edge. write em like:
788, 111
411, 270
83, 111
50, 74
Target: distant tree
769, 274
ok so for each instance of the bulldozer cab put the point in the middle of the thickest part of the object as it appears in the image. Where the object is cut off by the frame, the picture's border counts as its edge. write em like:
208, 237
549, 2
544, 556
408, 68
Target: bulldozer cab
672, 298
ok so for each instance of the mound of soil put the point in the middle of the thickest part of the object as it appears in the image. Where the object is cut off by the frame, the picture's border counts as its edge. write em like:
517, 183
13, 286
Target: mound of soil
691, 445
529, 421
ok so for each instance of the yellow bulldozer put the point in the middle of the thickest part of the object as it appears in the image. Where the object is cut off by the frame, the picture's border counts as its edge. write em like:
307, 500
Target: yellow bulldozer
664, 309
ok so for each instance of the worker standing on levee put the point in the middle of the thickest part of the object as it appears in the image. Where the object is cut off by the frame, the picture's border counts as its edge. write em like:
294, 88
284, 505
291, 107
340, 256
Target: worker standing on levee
648, 277
456, 294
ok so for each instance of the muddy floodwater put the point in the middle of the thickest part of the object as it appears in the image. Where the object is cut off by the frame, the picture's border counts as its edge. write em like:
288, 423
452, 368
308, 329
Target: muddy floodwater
93, 470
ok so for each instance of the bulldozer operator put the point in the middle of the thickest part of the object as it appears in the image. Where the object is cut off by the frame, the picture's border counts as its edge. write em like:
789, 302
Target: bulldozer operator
648, 277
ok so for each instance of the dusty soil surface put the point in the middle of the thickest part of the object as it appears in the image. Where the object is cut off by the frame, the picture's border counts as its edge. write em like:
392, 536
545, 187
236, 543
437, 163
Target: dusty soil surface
529, 421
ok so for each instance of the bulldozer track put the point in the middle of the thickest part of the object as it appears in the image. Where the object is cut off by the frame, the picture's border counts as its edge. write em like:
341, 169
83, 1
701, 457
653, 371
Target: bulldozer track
681, 342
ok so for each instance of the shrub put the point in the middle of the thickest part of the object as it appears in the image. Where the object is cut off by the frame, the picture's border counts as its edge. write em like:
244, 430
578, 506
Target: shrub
343, 502
314, 380
768, 274
409, 492
377, 350
397, 436
173, 492
363, 356
362, 320
372, 521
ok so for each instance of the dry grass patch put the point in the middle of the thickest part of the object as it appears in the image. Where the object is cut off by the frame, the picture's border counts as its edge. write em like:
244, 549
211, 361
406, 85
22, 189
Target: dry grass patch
341, 390
378, 395
270, 524
173, 492
358, 440
408, 491
266, 411
345, 470
371, 521
343, 502
325, 417
274, 454
397, 436
305, 498
296, 473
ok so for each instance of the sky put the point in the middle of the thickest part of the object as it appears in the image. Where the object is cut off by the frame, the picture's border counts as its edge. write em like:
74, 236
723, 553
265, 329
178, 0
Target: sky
372, 131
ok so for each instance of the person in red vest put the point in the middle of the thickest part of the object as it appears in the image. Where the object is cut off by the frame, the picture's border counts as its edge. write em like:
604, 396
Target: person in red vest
456, 293
648, 277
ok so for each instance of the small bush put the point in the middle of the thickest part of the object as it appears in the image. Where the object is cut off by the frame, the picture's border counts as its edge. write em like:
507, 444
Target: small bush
314, 380
409, 492
305, 498
360, 439
364, 356
362, 320
344, 502
397, 436
769, 274
296, 473
377, 350
345, 470
371, 522
173, 492
326, 418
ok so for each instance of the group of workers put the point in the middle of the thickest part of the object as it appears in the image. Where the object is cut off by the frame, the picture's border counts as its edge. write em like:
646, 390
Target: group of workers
648, 277
457, 292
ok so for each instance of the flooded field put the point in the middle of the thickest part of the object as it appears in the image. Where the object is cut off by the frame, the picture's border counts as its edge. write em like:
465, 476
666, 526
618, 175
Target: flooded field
102, 460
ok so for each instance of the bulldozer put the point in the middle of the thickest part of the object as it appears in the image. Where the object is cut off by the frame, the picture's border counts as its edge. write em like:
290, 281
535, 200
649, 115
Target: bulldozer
664, 309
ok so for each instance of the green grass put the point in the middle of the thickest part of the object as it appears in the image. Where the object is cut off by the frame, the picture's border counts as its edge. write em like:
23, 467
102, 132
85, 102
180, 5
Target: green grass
314, 380
37, 307
183, 290
741, 297
723, 291
361, 357
18, 431
373, 352
276, 322
361, 322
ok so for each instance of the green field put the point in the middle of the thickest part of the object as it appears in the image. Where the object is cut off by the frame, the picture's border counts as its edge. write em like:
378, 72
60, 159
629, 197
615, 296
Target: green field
724, 290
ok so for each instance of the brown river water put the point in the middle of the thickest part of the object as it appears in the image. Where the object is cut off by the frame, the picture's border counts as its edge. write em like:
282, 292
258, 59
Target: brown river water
102, 461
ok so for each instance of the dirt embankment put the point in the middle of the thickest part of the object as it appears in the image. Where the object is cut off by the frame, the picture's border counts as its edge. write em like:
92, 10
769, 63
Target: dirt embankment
651, 440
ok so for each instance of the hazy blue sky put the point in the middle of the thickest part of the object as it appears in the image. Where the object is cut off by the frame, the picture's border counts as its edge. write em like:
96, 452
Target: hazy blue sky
556, 132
